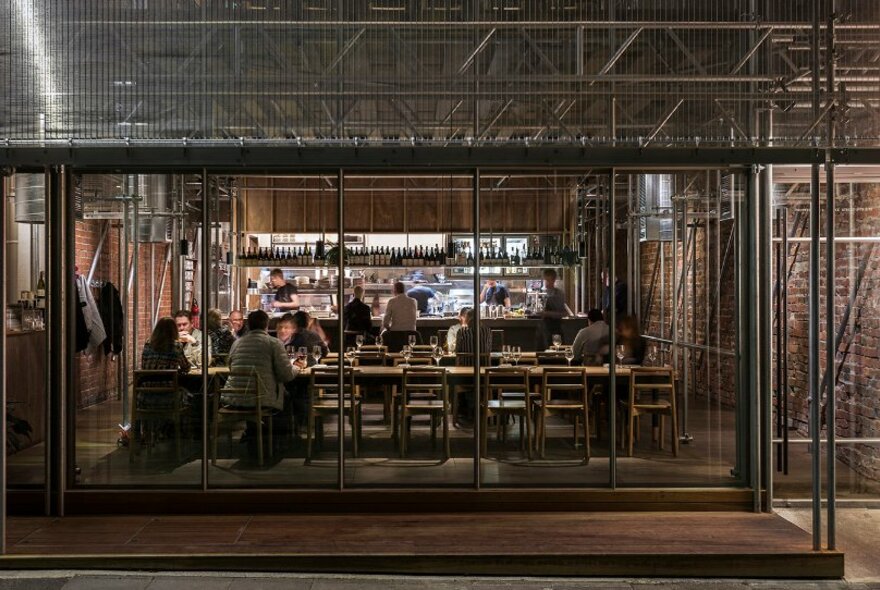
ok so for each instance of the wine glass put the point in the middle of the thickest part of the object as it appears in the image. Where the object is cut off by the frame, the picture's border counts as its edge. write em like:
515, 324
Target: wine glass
557, 341
317, 353
505, 354
437, 353
407, 353
620, 354
435, 341
359, 340
569, 354
350, 354
412, 340
379, 340
516, 353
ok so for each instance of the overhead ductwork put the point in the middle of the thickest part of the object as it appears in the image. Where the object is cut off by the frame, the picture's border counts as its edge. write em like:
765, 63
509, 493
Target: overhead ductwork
154, 213
30, 198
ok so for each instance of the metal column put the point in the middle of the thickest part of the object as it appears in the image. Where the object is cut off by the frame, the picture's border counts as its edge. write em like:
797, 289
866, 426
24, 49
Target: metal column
612, 334
3, 209
340, 328
477, 319
203, 322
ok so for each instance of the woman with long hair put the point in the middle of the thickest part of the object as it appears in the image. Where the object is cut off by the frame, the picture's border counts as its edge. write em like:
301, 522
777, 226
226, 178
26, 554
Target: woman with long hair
163, 352
630, 339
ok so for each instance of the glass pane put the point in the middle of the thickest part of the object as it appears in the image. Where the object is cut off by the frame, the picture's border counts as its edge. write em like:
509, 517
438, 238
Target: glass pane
137, 401
415, 411
855, 317
275, 299
26, 344
678, 392
541, 408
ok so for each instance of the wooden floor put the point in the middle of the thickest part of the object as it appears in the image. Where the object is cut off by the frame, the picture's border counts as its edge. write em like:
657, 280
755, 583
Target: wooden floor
694, 544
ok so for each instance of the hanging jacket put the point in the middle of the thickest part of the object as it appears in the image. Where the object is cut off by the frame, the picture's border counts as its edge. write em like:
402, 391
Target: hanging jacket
97, 335
110, 308
82, 331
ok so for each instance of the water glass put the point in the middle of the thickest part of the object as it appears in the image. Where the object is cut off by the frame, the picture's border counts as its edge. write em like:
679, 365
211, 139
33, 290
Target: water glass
437, 353
505, 354
350, 354
407, 353
569, 354
359, 340
317, 353
620, 353
435, 341
516, 352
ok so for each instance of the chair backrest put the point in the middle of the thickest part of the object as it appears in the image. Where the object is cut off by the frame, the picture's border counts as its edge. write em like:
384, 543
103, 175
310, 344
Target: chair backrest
564, 383
324, 381
466, 359
424, 379
506, 379
422, 350
242, 385
396, 340
371, 359
659, 380
497, 340
413, 360
157, 381
373, 349
551, 358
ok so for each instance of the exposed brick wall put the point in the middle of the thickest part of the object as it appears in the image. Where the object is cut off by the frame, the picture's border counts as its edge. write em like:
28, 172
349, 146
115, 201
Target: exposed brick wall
715, 317
96, 375
857, 384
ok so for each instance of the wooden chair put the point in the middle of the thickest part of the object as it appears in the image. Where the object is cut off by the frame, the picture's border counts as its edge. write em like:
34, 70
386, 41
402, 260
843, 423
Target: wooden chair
157, 384
498, 381
551, 358
324, 395
237, 403
424, 392
653, 382
422, 350
376, 356
564, 391
413, 360
466, 359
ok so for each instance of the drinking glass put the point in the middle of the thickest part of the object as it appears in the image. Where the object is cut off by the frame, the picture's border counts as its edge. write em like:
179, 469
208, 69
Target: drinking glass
505, 354
620, 353
407, 353
379, 340
412, 339
557, 340
350, 354
516, 352
316, 353
652, 354
435, 341
437, 353
359, 340
302, 353
569, 354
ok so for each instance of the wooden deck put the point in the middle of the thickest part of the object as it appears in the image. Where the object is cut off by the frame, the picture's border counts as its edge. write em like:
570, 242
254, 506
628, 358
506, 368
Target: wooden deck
694, 544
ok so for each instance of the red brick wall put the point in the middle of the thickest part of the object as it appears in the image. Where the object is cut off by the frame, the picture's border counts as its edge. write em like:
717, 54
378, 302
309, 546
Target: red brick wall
857, 385
96, 375
715, 317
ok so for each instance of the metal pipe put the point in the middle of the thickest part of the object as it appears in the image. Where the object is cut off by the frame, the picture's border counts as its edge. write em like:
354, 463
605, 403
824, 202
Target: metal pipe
841, 441
830, 343
340, 328
152, 283
3, 211
612, 336
135, 360
836, 240
478, 396
104, 229
158, 299
784, 360
129, 312
813, 372
203, 322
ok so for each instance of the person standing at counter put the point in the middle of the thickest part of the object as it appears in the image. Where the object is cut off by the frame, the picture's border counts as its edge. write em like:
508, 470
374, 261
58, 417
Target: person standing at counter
285, 293
400, 312
554, 306
422, 294
495, 294
357, 313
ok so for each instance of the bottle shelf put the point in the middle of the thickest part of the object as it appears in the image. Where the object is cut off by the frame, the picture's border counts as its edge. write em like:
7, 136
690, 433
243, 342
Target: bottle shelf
382, 266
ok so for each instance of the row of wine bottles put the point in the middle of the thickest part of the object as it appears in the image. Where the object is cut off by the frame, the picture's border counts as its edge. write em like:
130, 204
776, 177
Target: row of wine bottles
414, 256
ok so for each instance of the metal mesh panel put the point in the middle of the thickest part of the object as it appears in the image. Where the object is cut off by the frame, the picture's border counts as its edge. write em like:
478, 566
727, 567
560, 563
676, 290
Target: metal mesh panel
667, 72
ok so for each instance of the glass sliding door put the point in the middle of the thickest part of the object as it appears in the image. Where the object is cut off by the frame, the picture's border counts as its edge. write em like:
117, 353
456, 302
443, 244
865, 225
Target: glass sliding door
406, 283
136, 401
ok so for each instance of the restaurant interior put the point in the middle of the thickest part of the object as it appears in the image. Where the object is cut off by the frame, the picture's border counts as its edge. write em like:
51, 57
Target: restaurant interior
663, 256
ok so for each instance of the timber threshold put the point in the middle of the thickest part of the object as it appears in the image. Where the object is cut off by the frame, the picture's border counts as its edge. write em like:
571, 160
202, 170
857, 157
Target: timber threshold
692, 544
